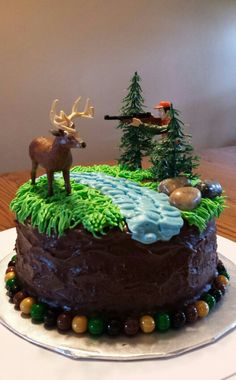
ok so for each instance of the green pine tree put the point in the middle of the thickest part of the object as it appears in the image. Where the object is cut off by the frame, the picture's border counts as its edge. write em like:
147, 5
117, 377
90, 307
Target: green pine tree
172, 155
136, 142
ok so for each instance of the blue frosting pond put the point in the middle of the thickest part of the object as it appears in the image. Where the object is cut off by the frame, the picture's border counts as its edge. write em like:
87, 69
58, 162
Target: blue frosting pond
148, 213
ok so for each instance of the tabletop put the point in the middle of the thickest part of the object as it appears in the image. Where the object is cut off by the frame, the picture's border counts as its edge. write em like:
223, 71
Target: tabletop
218, 164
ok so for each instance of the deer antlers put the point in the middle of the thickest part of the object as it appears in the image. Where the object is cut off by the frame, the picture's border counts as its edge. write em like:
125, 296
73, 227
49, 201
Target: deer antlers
63, 121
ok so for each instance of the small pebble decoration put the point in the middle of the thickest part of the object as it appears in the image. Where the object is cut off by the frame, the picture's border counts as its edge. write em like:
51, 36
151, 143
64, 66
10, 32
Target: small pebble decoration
185, 198
167, 186
210, 189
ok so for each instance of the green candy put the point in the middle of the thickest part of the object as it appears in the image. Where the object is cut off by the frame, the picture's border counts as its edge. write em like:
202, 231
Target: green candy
11, 283
14, 258
210, 300
37, 312
162, 321
95, 326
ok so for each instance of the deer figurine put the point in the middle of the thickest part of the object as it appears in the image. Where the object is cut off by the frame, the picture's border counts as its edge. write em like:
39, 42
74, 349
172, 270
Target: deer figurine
55, 155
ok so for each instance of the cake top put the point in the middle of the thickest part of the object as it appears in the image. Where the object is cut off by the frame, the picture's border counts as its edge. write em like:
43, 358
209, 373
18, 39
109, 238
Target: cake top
105, 197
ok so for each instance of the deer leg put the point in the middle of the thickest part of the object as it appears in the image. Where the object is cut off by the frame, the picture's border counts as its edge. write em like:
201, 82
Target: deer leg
33, 172
50, 182
66, 175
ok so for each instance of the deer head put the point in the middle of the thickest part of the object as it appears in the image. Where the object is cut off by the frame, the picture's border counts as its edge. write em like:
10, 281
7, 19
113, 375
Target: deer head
64, 127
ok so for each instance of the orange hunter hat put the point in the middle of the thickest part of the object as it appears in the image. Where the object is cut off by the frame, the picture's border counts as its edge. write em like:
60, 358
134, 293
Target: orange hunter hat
162, 104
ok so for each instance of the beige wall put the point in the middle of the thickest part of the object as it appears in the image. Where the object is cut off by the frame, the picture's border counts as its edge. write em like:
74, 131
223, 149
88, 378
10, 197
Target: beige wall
184, 51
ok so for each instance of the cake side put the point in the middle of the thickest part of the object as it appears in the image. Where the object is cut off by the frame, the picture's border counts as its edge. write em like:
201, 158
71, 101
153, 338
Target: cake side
115, 275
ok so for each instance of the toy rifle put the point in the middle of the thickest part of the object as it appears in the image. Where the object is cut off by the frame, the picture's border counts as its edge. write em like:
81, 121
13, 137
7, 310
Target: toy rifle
154, 128
145, 117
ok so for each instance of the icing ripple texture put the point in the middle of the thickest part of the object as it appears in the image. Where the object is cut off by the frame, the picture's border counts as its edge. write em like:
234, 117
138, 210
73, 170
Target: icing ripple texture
148, 214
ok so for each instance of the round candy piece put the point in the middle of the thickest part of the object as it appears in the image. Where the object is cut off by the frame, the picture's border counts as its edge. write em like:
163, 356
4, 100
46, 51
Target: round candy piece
11, 283
220, 266
18, 297
9, 276
147, 324
216, 293
185, 198
223, 280
162, 321
131, 326
10, 269
168, 185
202, 308
210, 189
95, 326
26, 305
178, 320
64, 322
11, 263
114, 327
191, 313
225, 273
219, 285
50, 318
37, 312
209, 299
14, 289
80, 324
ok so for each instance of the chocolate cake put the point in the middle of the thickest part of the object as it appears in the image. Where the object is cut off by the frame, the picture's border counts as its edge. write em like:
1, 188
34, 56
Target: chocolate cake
138, 257
115, 275
111, 248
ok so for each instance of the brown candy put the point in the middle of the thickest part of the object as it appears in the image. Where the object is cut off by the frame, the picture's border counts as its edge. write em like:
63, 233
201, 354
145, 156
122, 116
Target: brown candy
168, 185
131, 326
185, 198
10, 269
64, 321
191, 313
18, 297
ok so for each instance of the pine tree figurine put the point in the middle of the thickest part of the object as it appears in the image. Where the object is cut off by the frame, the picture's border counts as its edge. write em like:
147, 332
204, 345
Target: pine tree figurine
172, 155
135, 142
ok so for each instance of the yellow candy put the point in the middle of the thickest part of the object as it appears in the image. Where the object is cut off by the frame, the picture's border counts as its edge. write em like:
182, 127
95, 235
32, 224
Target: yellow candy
26, 305
202, 308
79, 324
147, 324
9, 276
223, 280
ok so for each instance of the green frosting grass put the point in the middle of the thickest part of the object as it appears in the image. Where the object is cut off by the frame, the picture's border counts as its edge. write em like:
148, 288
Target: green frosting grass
208, 209
89, 206
57, 213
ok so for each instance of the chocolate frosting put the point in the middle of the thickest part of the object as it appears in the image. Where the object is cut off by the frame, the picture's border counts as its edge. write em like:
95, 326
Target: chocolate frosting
115, 275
